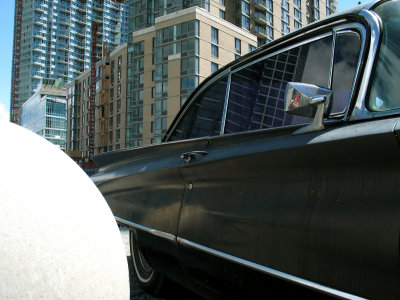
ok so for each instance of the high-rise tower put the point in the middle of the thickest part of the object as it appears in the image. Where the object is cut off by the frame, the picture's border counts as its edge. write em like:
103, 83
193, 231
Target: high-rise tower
52, 39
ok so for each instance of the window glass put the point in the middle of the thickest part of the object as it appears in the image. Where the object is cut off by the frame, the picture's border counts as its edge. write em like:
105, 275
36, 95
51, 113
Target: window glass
204, 116
347, 51
386, 81
256, 98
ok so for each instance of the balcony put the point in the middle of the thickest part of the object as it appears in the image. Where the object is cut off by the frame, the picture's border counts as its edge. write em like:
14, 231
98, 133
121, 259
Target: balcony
260, 18
114, 6
114, 29
81, 20
64, 21
40, 21
80, 7
64, 8
80, 32
64, 34
80, 58
261, 32
40, 8
98, 7
39, 48
62, 46
79, 45
260, 4
63, 61
38, 62
114, 17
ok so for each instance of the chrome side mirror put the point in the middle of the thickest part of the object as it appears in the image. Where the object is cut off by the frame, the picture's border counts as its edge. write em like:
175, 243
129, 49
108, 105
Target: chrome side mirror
307, 100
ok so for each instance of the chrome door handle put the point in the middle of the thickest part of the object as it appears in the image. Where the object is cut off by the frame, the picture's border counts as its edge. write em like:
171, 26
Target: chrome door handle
188, 156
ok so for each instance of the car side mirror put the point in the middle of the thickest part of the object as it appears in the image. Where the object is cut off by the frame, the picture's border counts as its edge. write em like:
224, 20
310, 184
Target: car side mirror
307, 100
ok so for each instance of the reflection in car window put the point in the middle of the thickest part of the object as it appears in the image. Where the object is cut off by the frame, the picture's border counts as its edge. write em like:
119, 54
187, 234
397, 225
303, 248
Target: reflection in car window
347, 51
385, 89
256, 98
204, 116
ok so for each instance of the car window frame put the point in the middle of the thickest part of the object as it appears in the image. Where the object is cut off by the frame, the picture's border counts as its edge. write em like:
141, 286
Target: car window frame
329, 30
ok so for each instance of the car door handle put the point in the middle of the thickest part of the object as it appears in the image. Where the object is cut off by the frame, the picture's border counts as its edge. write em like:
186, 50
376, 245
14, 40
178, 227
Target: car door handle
188, 156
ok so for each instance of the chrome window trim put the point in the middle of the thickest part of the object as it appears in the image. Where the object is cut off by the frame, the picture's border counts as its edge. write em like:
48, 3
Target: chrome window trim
195, 98
269, 271
360, 111
224, 112
334, 33
358, 28
155, 232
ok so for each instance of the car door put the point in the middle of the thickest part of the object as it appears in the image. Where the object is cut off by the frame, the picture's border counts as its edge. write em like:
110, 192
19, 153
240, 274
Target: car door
300, 207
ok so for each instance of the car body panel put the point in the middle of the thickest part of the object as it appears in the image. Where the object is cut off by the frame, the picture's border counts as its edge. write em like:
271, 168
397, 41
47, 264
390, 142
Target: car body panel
318, 209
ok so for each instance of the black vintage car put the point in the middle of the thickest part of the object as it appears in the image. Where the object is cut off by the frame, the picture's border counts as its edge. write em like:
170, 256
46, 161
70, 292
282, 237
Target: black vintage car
281, 168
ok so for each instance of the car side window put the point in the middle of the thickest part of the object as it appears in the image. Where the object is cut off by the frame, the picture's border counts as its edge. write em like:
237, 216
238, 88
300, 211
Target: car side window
256, 98
204, 116
347, 52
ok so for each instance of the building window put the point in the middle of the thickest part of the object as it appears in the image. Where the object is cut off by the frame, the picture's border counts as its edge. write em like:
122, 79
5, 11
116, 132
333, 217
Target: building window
214, 35
285, 4
214, 50
188, 84
119, 90
316, 13
245, 23
285, 28
118, 119
238, 46
297, 3
297, 14
111, 108
117, 134
119, 61
285, 16
214, 67
222, 2
119, 75
297, 25
159, 126
251, 48
222, 14
190, 65
245, 8
118, 104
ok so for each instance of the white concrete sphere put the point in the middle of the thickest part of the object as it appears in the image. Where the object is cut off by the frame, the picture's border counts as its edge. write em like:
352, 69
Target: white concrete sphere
58, 237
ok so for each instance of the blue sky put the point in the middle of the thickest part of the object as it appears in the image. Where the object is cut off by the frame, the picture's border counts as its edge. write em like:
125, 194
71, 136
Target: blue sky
6, 27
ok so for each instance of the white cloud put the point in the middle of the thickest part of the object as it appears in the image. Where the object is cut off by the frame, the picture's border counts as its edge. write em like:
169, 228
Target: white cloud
4, 113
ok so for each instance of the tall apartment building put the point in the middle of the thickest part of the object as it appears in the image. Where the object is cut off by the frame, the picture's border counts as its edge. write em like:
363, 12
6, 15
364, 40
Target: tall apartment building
110, 112
173, 45
267, 19
52, 39
161, 37
45, 112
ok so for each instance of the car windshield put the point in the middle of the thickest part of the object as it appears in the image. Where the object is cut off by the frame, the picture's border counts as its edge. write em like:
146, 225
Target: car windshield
385, 91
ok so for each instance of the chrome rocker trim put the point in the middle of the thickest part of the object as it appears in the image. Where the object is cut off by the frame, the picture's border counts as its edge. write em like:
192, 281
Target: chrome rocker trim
270, 271
241, 261
155, 232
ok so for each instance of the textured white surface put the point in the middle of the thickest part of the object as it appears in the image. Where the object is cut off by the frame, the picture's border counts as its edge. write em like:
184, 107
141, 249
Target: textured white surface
58, 237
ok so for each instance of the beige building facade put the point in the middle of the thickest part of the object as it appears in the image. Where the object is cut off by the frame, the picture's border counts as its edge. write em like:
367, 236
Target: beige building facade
110, 109
169, 60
